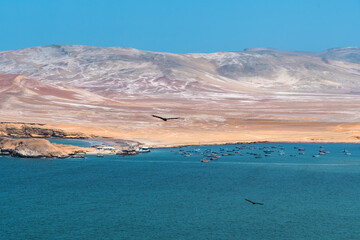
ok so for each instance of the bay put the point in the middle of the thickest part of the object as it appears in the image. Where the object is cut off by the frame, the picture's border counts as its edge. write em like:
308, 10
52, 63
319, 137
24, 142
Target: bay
164, 195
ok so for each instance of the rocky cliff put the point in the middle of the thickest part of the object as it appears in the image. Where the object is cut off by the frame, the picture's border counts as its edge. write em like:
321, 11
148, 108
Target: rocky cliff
35, 130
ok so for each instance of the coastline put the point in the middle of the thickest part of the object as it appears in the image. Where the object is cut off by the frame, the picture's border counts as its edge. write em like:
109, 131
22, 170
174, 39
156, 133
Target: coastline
218, 143
173, 135
44, 148
254, 142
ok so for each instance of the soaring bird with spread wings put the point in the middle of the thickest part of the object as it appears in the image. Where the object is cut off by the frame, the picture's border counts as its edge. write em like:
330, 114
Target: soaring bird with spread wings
253, 202
164, 119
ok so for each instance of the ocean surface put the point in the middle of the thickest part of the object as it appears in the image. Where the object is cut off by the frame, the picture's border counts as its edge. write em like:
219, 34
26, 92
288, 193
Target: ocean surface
165, 195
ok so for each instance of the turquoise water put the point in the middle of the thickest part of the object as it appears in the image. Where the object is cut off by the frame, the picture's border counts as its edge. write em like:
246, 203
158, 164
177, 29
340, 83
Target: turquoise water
75, 142
164, 195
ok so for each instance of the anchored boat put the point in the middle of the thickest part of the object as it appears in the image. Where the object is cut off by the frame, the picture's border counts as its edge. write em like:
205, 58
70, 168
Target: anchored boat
144, 150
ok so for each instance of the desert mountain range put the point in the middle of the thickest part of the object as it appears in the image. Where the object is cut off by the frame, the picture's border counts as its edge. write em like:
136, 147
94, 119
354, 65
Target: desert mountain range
225, 96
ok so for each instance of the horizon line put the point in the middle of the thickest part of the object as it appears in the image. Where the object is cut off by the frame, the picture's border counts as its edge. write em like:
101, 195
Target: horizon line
244, 50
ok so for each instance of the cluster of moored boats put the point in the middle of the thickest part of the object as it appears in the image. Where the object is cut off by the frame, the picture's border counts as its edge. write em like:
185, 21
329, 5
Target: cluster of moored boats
129, 152
322, 152
124, 152
255, 151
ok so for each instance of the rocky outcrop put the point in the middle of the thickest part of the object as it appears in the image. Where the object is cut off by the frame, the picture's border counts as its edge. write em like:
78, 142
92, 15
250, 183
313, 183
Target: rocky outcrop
35, 130
37, 148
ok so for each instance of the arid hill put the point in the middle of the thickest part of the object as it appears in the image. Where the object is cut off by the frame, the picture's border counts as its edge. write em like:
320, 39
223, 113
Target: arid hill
254, 95
116, 70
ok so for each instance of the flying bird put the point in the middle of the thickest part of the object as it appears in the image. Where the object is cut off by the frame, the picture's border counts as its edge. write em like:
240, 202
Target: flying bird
253, 202
164, 119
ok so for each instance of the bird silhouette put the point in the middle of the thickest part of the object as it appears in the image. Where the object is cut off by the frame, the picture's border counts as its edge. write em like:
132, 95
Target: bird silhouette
253, 202
164, 119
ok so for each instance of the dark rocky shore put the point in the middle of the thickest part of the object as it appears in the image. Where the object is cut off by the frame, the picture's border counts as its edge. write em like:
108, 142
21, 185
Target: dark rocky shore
37, 148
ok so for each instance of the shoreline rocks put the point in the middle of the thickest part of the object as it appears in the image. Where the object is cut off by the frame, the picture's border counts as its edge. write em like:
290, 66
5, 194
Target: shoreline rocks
37, 148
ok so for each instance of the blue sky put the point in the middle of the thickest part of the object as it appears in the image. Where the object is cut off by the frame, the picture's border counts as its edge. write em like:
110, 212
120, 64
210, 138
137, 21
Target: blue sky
181, 26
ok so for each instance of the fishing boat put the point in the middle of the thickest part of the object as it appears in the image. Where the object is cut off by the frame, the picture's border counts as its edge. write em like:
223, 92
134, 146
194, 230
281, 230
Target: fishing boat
144, 150
127, 152
204, 160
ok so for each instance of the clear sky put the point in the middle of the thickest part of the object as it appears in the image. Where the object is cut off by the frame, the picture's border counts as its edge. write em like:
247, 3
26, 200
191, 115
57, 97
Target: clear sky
181, 26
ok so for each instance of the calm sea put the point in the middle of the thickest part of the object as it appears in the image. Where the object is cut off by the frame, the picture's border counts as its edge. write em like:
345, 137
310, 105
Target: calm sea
164, 195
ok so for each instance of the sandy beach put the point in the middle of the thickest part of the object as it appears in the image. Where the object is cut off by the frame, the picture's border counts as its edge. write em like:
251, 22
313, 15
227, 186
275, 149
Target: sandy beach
170, 134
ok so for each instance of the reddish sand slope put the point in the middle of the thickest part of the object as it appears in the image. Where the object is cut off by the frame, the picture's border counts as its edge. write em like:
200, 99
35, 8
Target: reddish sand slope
215, 119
